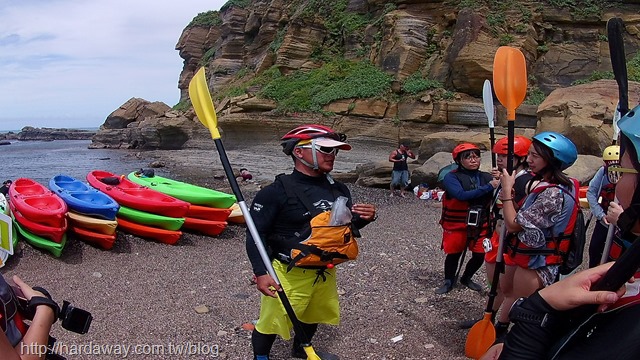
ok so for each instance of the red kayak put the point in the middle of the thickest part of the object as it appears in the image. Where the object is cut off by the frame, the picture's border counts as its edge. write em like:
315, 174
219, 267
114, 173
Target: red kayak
164, 236
102, 240
37, 203
128, 193
49, 232
207, 227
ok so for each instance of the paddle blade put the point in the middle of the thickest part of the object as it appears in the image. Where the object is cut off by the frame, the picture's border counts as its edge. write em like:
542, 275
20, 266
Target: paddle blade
487, 101
311, 354
510, 78
615, 28
480, 338
202, 103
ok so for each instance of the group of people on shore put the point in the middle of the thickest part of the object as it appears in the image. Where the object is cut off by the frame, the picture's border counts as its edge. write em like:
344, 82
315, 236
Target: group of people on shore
305, 223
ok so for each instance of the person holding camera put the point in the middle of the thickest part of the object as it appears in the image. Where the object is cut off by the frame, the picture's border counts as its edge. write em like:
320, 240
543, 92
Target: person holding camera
465, 216
400, 172
16, 338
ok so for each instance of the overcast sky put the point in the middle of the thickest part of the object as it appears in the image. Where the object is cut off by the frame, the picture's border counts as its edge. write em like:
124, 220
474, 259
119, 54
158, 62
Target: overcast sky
70, 63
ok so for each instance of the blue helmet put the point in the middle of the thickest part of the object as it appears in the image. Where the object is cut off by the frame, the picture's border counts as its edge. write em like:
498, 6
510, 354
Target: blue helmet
563, 149
630, 127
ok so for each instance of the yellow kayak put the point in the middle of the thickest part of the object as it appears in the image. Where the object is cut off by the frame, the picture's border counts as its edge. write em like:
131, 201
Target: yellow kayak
102, 226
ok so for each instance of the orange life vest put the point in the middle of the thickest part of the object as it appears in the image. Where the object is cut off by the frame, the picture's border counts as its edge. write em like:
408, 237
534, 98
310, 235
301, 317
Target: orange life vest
455, 212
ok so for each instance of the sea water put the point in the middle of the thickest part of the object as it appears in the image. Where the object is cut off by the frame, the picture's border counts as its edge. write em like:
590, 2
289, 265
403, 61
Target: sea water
42, 160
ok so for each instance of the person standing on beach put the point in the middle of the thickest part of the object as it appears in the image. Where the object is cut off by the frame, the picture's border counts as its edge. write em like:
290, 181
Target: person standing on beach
400, 172
465, 216
600, 193
4, 189
282, 211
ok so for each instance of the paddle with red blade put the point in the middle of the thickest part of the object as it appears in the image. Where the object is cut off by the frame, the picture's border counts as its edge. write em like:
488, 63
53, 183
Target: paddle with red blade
510, 85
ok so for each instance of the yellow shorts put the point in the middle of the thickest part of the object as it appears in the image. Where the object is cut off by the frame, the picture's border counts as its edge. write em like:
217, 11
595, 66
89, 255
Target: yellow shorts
313, 304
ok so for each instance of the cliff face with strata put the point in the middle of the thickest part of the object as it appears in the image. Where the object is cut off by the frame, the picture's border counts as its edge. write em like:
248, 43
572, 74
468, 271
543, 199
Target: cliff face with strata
452, 42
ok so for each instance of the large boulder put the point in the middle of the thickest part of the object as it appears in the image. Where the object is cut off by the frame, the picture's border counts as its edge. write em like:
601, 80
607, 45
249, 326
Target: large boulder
584, 113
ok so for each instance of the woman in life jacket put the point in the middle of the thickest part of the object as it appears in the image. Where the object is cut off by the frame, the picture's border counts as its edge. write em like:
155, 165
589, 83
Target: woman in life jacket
465, 216
521, 145
537, 231
600, 193
545, 326
17, 341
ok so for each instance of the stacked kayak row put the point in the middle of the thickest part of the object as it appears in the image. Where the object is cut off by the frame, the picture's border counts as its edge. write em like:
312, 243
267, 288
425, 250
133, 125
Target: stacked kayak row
155, 208
39, 215
209, 209
92, 213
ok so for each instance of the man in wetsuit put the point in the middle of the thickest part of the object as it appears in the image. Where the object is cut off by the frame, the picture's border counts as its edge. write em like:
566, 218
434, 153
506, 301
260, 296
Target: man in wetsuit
278, 218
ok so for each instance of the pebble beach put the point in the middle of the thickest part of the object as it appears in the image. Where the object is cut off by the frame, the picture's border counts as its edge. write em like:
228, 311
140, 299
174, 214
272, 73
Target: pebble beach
155, 300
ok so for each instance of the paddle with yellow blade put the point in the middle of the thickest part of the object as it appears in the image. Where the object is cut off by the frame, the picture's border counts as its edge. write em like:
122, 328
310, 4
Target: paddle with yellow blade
510, 85
203, 105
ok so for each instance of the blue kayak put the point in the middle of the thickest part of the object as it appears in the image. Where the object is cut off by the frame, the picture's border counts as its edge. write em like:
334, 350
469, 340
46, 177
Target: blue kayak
83, 198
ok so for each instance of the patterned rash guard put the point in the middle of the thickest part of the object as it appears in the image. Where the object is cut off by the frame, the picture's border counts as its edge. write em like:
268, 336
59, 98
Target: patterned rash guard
542, 214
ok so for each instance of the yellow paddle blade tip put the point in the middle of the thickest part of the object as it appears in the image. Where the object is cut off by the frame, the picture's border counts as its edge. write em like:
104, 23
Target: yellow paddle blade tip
202, 103
311, 354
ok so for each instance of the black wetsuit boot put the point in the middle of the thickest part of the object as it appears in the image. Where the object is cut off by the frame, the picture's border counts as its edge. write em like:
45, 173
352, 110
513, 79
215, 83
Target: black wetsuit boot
262, 344
298, 351
450, 267
476, 261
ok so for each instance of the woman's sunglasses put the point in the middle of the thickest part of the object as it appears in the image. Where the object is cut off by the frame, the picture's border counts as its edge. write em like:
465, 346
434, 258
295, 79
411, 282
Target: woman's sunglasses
323, 149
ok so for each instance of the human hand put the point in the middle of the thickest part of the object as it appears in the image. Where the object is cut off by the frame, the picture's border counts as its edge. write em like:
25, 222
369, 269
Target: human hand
27, 291
613, 212
575, 290
266, 285
365, 211
495, 173
507, 180
494, 183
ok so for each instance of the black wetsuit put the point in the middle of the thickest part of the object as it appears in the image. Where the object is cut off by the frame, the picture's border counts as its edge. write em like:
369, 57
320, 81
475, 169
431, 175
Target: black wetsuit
275, 214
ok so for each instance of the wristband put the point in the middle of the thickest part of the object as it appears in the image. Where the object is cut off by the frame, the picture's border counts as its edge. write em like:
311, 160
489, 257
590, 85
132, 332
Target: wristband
505, 200
36, 301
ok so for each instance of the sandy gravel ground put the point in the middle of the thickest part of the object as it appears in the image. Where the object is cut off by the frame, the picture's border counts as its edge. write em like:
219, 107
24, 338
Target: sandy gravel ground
144, 295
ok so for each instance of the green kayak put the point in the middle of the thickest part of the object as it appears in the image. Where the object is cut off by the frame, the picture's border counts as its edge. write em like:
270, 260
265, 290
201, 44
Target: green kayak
40, 242
149, 219
193, 194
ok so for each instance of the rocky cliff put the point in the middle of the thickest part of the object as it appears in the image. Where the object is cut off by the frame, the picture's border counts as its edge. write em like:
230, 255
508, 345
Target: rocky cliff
450, 43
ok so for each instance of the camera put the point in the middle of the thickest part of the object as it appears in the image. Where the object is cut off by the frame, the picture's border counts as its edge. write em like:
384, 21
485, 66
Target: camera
72, 318
473, 217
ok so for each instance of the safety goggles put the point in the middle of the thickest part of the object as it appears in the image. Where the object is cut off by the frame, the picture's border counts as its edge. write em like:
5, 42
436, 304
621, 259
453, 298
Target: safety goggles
614, 172
323, 149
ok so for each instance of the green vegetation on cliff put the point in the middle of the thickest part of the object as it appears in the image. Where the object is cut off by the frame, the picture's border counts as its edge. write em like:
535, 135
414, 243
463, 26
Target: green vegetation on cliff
208, 18
340, 79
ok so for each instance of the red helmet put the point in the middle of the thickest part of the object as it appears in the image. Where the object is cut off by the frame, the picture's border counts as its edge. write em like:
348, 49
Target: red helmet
308, 132
521, 146
462, 147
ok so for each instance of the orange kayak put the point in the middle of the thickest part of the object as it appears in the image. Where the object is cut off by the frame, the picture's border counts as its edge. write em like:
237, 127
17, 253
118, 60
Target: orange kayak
208, 213
207, 227
102, 240
164, 236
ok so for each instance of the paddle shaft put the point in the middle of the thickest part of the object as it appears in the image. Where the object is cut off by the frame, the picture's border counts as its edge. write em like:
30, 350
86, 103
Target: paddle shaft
297, 325
492, 139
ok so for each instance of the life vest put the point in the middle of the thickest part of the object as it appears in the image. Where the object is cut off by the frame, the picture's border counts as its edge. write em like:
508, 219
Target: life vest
455, 212
558, 237
607, 195
11, 322
320, 243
